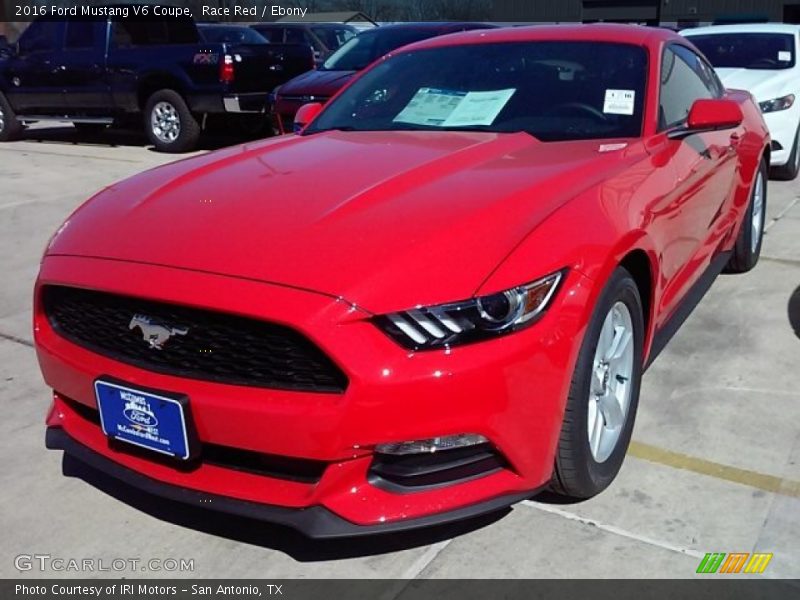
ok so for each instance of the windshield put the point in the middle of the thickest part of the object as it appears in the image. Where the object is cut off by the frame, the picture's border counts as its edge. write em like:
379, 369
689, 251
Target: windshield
232, 35
360, 51
552, 90
747, 50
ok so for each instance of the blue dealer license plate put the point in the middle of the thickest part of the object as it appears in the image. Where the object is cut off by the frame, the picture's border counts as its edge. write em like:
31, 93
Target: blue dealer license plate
148, 420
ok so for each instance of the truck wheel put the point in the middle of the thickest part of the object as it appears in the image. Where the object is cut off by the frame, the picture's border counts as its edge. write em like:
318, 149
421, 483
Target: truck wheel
170, 125
10, 127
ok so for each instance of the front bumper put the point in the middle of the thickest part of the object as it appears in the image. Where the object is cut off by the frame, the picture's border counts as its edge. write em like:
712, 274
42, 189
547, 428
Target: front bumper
782, 127
315, 521
510, 390
246, 103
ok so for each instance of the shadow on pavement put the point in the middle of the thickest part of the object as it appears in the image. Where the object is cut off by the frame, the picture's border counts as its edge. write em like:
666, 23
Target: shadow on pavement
794, 311
266, 535
124, 137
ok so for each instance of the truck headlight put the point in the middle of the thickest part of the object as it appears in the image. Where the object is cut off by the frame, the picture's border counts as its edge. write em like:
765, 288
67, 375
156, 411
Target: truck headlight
777, 104
428, 327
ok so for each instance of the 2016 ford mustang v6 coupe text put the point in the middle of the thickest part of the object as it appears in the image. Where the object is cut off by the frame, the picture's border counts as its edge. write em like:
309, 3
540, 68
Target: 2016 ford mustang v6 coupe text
434, 301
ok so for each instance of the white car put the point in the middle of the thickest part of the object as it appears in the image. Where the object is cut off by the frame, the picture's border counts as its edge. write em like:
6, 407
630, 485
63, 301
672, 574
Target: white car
761, 58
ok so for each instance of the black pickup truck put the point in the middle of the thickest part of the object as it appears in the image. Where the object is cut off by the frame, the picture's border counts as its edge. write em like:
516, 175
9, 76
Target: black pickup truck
95, 72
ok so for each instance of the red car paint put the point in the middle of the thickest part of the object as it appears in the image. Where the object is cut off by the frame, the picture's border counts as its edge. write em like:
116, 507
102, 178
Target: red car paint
322, 232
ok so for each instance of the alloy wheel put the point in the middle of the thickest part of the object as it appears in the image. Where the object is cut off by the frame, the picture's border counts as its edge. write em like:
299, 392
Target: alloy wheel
165, 122
610, 389
757, 220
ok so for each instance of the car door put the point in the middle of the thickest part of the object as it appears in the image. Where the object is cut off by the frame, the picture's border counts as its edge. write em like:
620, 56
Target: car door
83, 67
35, 83
704, 166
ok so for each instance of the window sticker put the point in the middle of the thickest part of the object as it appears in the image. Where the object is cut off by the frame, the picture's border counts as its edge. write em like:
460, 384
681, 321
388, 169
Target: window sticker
448, 108
479, 108
430, 106
784, 56
619, 102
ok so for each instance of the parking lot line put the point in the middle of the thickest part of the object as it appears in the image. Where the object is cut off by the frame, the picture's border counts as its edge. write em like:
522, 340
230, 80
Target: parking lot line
678, 460
782, 214
69, 155
612, 529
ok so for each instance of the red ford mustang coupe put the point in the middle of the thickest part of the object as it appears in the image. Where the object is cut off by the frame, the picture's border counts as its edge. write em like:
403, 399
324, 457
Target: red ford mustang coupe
436, 300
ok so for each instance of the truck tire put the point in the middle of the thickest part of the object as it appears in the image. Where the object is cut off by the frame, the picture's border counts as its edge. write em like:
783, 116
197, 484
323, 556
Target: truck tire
169, 124
10, 127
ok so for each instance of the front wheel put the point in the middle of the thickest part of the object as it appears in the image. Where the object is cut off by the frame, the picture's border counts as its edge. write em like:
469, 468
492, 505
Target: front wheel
747, 249
170, 125
604, 393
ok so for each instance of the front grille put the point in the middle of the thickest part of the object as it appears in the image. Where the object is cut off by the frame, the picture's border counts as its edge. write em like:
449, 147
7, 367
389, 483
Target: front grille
200, 344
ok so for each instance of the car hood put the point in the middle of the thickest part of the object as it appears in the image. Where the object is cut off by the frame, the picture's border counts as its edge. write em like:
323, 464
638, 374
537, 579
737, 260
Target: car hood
763, 84
316, 83
385, 220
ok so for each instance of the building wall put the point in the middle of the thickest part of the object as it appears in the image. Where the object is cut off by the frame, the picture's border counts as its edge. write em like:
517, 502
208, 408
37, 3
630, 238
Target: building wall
671, 10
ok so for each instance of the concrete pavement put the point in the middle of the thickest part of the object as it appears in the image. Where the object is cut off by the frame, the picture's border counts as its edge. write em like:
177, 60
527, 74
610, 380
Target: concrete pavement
714, 467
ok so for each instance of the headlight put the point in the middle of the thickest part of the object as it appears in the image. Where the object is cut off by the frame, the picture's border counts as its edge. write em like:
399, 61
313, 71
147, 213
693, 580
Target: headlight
471, 320
777, 104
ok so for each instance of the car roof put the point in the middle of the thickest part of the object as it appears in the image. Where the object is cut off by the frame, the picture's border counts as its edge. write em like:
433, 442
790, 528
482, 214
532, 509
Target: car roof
434, 26
743, 28
209, 25
281, 25
595, 32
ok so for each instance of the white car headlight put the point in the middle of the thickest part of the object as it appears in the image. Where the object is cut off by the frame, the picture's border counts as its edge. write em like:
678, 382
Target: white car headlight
471, 320
777, 104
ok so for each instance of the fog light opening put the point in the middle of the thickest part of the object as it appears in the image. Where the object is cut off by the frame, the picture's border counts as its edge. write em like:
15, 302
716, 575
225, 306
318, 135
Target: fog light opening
431, 445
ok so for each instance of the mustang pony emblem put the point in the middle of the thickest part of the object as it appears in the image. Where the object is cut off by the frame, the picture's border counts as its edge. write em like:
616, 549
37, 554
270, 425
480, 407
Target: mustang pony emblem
153, 333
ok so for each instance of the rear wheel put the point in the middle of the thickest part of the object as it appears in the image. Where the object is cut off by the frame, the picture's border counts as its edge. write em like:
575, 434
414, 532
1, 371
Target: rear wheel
10, 127
604, 393
789, 171
751, 235
170, 125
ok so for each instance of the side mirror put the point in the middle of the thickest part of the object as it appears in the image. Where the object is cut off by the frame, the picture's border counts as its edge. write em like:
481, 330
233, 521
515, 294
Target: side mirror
305, 114
714, 114
710, 114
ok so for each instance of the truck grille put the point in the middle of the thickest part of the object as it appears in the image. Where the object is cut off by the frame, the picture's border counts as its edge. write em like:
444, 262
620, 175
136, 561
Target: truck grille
190, 342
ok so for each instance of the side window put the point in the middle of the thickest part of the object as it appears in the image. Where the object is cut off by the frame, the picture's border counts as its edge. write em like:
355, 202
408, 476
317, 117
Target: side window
80, 34
41, 36
130, 33
274, 35
680, 87
703, 69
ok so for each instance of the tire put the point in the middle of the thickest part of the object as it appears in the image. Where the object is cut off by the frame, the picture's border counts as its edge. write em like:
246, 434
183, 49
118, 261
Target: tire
169, 124
583, 469
10, 127
751, 234
90, 128
789, 171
